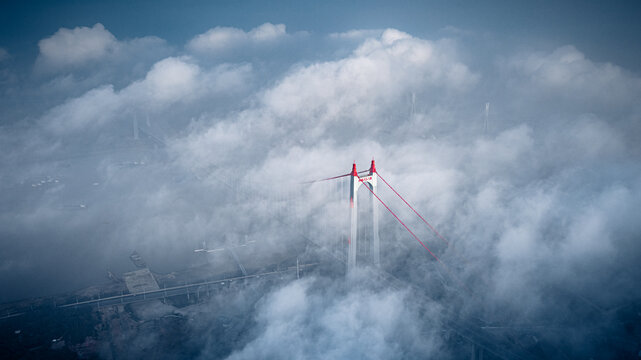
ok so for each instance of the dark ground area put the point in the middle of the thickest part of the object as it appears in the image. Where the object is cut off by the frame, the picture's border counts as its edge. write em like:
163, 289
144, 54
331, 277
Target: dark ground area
221, 320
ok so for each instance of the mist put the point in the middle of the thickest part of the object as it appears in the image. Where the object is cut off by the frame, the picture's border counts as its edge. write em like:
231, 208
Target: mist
525, 159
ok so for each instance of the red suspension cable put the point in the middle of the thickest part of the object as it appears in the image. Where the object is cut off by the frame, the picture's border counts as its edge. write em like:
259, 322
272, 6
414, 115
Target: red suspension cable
405, 226
416, 212
417, 239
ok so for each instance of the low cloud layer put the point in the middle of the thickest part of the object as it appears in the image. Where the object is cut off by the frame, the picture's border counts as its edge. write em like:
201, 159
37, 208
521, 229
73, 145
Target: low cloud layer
526, 161
333, 320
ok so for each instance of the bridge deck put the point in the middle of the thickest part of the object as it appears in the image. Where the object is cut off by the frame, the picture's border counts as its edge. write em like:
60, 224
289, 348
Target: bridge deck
201, 287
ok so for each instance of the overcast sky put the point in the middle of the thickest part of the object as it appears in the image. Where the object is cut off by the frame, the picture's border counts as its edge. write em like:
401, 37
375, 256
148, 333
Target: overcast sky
515, 128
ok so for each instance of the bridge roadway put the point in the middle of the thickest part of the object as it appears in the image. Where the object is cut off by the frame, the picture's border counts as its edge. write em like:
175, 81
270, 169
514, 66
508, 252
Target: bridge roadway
194, 288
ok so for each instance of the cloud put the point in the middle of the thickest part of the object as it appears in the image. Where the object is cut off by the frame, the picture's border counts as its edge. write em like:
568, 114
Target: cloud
566, 72
335, 323
220, 39
334, 99
169, 81
267, 32
376, 75
357, 34
517, 183
540, 206
95, 53
92, 109
173, 80
77, 46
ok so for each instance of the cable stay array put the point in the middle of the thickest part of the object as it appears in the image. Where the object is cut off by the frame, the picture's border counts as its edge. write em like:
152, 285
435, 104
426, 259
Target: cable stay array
368, 177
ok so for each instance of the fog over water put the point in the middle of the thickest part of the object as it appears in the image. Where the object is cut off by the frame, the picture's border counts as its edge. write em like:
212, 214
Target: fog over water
526, 158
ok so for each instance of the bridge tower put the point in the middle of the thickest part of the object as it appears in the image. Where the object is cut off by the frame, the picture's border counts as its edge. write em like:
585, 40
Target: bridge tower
355, 182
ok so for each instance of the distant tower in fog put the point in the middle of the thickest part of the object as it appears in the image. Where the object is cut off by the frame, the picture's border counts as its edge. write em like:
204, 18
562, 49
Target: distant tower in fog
487, 114
413, 105
135, 127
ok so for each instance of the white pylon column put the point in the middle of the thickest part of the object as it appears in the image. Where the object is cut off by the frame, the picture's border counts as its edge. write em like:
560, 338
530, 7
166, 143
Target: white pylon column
355, 183
375, 246
353, 227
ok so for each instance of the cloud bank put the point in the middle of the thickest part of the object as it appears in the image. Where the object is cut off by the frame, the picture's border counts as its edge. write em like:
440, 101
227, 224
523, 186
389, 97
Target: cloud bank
220, 39
76, 46
537, 191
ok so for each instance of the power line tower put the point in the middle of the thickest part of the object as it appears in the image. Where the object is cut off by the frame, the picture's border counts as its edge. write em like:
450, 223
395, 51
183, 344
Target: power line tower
355, 182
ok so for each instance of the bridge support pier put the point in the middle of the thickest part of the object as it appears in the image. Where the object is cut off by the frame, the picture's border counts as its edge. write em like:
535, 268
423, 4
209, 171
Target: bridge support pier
477, 353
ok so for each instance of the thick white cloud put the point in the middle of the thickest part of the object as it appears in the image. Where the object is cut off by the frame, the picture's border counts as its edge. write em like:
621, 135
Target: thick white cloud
169, 81
343, 100
362, 86
95, 53
91, 110
267, 32
68, 47
363, 323
178, 79
220, 39
568, 73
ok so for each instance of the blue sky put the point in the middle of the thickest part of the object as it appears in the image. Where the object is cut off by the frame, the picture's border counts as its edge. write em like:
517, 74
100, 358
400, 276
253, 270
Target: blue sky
607, 31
